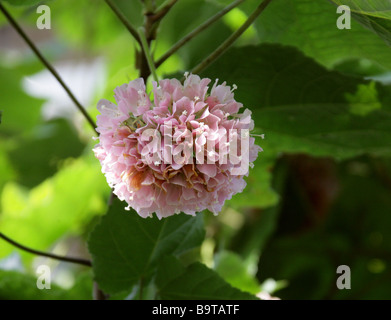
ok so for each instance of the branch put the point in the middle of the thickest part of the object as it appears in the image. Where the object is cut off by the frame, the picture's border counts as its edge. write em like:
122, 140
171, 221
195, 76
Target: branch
123, 19
47, 65
147, 53
97, 293
45, 254
149, 6
227, 43
163, 10
196, 31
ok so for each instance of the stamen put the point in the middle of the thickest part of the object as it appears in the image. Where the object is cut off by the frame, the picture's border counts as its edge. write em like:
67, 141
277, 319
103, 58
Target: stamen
258, 135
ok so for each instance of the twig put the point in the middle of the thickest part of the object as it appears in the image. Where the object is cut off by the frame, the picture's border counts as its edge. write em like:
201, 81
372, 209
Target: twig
13, 22
147, 53
124, 21
97, 293
150, 34
196, 31
141, 287
46, 254
227, 43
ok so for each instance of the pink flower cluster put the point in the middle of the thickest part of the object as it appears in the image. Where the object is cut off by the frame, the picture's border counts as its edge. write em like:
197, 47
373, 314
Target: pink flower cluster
172, 154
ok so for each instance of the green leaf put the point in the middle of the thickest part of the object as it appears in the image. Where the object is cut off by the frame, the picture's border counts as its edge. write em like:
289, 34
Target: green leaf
365, 100
258, 192
13, 100
259, 227
311, 26
254, 235
374, 8
231, 267
27, 2
195, 282
300, 106
354, 231
382, 27
126, 247
373, 14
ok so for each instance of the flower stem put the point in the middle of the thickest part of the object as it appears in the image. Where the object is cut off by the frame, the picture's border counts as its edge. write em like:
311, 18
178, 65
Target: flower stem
227, 43
46, 63
196, 31
45, 254
124, 21
149, 6
147, 53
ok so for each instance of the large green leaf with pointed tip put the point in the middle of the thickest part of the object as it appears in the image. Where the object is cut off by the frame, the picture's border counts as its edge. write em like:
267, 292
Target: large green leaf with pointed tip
301, 106
126, 248
373, 14
310, 25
